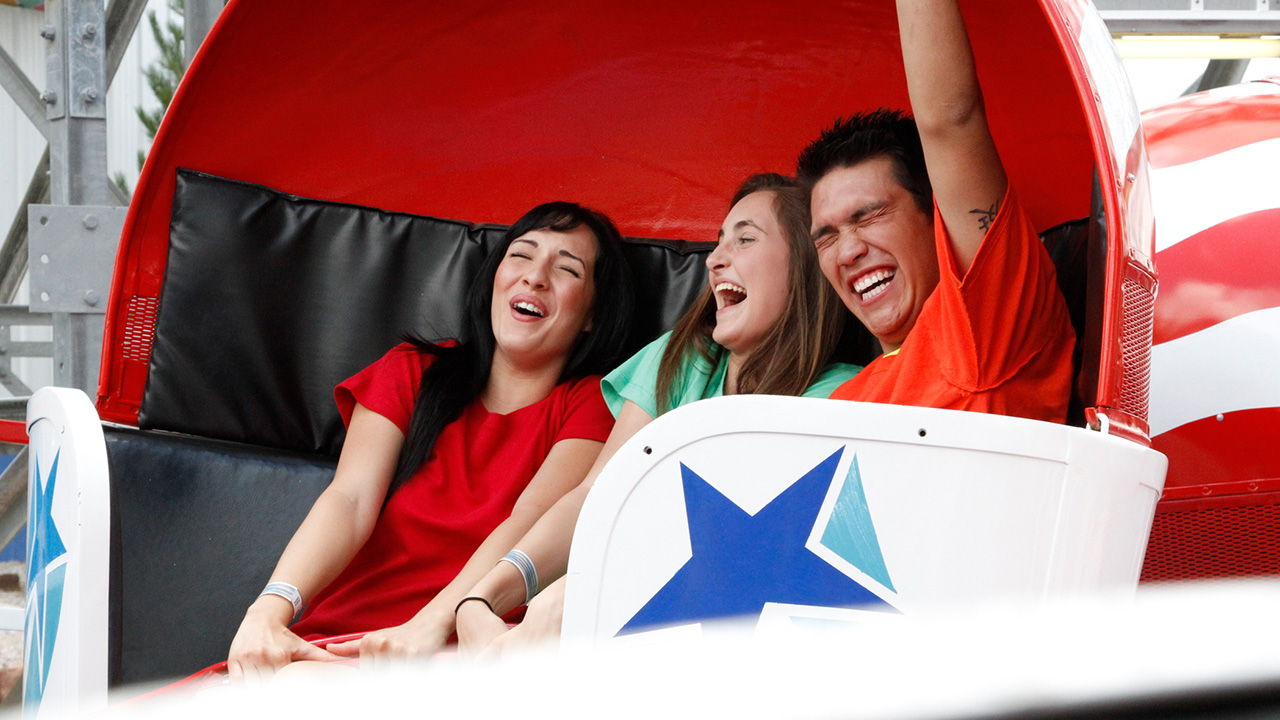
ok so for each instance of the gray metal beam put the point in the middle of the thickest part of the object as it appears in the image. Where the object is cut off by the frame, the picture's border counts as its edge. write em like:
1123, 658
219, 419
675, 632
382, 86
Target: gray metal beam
13, 498
122, 20
198, 17
76, 99
1219, 73
1187, 17
13, 254
23, 92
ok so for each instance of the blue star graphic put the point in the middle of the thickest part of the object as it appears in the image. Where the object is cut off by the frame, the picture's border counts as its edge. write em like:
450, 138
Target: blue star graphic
740, 561
46, 546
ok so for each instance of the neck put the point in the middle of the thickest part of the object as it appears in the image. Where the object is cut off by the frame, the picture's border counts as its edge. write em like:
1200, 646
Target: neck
512, 386
731, 374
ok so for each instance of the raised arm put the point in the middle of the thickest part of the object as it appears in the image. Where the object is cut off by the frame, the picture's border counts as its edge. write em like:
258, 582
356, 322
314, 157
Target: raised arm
964, 168
547, 544
563, 470
334, 530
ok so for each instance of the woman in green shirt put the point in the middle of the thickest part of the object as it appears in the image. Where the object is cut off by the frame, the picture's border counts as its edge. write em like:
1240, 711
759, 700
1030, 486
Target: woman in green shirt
767, 323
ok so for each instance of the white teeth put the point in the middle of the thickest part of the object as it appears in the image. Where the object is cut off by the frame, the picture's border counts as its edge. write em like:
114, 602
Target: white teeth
870, 279
731, 287
529, 308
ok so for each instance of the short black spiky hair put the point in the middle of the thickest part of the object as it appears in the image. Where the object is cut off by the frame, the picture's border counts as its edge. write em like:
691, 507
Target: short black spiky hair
865, 135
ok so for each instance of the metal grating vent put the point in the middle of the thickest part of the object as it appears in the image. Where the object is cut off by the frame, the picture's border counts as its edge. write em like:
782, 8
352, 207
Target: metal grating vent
140, 328
1135, 348
1214, 543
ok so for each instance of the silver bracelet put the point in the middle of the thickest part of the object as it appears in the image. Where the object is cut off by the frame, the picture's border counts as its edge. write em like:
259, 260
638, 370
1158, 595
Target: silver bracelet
286, 591
527, 570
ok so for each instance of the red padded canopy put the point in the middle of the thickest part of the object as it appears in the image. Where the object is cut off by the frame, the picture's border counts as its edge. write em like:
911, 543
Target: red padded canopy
651, 112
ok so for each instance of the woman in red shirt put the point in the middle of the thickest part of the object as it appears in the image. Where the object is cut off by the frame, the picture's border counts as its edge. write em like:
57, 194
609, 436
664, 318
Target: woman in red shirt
453, 451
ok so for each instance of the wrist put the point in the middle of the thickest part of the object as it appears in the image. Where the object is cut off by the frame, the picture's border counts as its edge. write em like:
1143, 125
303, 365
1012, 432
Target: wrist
272, 608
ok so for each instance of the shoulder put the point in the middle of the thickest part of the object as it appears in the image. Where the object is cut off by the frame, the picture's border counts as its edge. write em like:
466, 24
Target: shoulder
832, 377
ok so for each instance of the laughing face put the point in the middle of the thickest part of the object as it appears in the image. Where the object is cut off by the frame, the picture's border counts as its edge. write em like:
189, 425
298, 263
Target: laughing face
542, 296
748, 274
875, 246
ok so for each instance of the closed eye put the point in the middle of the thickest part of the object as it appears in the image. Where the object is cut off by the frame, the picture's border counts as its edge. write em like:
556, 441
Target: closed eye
572, 271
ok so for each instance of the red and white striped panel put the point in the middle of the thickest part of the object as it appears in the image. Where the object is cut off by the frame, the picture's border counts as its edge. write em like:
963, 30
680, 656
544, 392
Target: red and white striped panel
1215, 381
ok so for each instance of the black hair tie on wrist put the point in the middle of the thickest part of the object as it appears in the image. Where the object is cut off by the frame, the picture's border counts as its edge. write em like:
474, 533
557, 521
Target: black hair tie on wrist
469, 598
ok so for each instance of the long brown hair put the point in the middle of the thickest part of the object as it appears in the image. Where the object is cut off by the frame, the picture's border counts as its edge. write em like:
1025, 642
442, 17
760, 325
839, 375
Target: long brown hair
798, 345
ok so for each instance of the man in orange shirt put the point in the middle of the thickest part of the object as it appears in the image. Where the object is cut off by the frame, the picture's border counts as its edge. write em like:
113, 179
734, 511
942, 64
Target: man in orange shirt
925, 242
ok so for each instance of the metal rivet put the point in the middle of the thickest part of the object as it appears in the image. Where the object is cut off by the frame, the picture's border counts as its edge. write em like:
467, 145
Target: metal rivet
44, 259
89, 95
648, 450
91, 221
48, 32
49, 97
91, 298
1221, 417
90, 30
44, 297
44, 219
923, 432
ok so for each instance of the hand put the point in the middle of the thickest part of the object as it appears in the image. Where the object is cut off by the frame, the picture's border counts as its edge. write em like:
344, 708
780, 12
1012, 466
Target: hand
263, 644
423, 635
477, 627
541, 626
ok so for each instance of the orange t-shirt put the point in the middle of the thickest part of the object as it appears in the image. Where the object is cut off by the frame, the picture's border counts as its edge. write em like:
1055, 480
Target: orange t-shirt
997, 340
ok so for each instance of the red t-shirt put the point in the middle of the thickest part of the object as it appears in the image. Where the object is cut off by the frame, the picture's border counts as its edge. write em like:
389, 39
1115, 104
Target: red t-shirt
479, 466
997, 340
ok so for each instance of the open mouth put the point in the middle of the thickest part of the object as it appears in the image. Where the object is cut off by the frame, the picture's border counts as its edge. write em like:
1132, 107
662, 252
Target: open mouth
873, 284
528, 309
730, 294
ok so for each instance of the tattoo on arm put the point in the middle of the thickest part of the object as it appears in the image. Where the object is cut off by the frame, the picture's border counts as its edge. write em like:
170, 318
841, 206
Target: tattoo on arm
986, 217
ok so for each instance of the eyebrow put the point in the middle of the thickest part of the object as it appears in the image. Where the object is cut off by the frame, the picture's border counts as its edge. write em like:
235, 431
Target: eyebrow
739, 225
562, 253
566, 253
855, 216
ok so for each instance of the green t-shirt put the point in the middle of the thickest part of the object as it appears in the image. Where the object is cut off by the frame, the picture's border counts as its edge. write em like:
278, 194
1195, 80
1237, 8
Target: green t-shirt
637, 380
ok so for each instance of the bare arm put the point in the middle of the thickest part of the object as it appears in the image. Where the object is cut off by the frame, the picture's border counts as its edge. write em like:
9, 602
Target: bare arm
968, 178
563, 470
338, 524
547, 544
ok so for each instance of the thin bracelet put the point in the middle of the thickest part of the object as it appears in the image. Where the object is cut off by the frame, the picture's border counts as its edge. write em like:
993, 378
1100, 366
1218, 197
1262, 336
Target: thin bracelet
469, 598
286, 591
527, 571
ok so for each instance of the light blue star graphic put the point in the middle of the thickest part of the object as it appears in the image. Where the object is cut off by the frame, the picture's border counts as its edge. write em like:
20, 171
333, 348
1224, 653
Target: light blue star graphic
850, 532
46, 585
740, 561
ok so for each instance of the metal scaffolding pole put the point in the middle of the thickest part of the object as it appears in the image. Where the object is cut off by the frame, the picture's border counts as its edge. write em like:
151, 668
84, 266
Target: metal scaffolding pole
71, 236
198, 17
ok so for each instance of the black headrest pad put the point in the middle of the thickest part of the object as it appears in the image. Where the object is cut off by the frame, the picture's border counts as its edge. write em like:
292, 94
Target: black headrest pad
269, 300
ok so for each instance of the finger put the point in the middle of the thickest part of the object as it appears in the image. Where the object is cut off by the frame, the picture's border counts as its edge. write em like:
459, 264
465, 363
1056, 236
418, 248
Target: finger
307, 651
234, 671
348, 649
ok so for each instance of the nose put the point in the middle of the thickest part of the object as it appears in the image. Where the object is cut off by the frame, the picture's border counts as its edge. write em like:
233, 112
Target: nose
849, 248
718, 259
535, 275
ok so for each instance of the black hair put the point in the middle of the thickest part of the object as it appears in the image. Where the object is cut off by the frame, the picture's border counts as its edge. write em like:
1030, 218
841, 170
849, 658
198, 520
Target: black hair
459, 373
863, 136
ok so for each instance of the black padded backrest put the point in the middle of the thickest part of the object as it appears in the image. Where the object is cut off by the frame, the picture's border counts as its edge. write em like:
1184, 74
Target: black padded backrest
197, 526
1068, 247
270, 300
